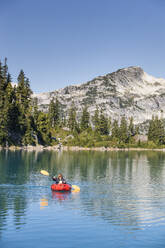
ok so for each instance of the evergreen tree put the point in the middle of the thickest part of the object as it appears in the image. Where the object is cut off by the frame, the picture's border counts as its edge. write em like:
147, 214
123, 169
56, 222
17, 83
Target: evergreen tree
131, 129
54, 113
3, 130
43, 128
84, 123
109, 124
72, 123
23, 91
23, 94
96, 120
51, 113
9, 79
5, 73
161, 132
115, 129
156, 132
123, 130
2, 85
137, 131
151, 129
11, 110
35, 111
29, 136
57, 113
25, 119
103, 124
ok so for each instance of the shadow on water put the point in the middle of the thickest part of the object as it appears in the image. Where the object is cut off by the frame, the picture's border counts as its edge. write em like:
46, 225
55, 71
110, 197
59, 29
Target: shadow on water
120, 187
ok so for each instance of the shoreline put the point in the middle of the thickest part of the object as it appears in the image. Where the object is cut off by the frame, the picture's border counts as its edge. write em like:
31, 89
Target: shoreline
76, 148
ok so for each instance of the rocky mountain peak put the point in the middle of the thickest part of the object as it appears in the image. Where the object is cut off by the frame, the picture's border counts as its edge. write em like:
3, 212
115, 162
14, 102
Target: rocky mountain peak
132, 71
127, 92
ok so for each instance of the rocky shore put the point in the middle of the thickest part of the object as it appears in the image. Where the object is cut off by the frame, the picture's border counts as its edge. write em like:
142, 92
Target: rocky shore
75, 148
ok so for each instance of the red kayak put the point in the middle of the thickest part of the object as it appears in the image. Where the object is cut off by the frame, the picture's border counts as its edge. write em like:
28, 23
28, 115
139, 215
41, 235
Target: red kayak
61, 187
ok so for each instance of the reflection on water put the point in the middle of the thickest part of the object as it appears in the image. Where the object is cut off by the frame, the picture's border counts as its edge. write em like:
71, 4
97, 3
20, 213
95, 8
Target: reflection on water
12, 205
60, 196
122, 188
43, 203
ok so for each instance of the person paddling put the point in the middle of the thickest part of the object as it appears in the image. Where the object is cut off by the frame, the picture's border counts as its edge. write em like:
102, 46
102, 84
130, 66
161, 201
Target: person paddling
60, 179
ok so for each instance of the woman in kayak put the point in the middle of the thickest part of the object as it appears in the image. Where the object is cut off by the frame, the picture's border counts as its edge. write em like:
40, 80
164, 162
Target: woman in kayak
59, 179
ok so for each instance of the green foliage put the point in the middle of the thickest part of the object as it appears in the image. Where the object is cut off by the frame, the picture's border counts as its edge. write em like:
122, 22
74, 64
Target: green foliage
103, 125
84, 123
96, 120
156, 132
131, 128
23, 101
22, 123
43, 129
72, 122
54, 113
115, 130
3, 103
123, 131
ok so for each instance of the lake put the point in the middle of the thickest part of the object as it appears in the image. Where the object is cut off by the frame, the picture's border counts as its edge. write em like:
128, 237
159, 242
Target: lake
121, 202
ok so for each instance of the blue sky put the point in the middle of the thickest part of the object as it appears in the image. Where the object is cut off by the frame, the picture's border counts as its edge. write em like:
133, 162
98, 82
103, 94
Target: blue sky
63, 42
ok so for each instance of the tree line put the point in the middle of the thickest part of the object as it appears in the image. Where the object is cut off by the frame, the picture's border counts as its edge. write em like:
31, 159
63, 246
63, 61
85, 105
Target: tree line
22, 123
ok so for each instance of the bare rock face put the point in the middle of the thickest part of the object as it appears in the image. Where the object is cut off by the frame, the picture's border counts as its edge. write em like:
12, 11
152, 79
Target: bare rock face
126, 92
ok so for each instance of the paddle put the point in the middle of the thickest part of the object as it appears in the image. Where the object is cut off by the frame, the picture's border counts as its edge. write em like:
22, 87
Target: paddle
75, 188
44, 172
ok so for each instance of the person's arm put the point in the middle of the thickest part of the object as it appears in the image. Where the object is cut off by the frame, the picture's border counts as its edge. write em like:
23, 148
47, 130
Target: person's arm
64, 181
55, 179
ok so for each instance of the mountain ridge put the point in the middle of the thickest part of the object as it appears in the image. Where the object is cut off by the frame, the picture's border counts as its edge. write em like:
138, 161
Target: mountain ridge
126, 92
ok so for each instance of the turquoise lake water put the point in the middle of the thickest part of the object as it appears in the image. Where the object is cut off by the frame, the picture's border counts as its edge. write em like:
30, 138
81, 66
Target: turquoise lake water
121, 202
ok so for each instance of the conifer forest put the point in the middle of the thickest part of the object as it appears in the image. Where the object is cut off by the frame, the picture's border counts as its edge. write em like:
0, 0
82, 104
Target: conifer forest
22, 123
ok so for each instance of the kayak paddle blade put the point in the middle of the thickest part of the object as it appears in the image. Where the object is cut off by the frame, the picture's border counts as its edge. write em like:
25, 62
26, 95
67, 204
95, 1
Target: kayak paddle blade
75, 188
44, 172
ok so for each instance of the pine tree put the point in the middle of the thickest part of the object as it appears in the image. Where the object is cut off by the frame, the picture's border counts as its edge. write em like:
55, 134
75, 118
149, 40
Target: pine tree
3, 130
9, 79
35, 111
43, 128
57, 113
137, 130
51, 114
11, 109
23, 94
156, 132
131, 130
54, 113
115, 129
5, 73
29, 136
123, 130
151, 129
23, 97
6, 105
84, 123
72, 122
109, 124
2, 85
103, 124
96, 120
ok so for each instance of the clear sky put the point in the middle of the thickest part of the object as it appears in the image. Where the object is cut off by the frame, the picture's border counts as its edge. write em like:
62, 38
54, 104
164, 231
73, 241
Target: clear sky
63, 42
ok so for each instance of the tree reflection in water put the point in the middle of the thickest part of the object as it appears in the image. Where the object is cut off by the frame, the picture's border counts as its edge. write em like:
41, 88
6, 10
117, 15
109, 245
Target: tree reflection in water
125, 188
